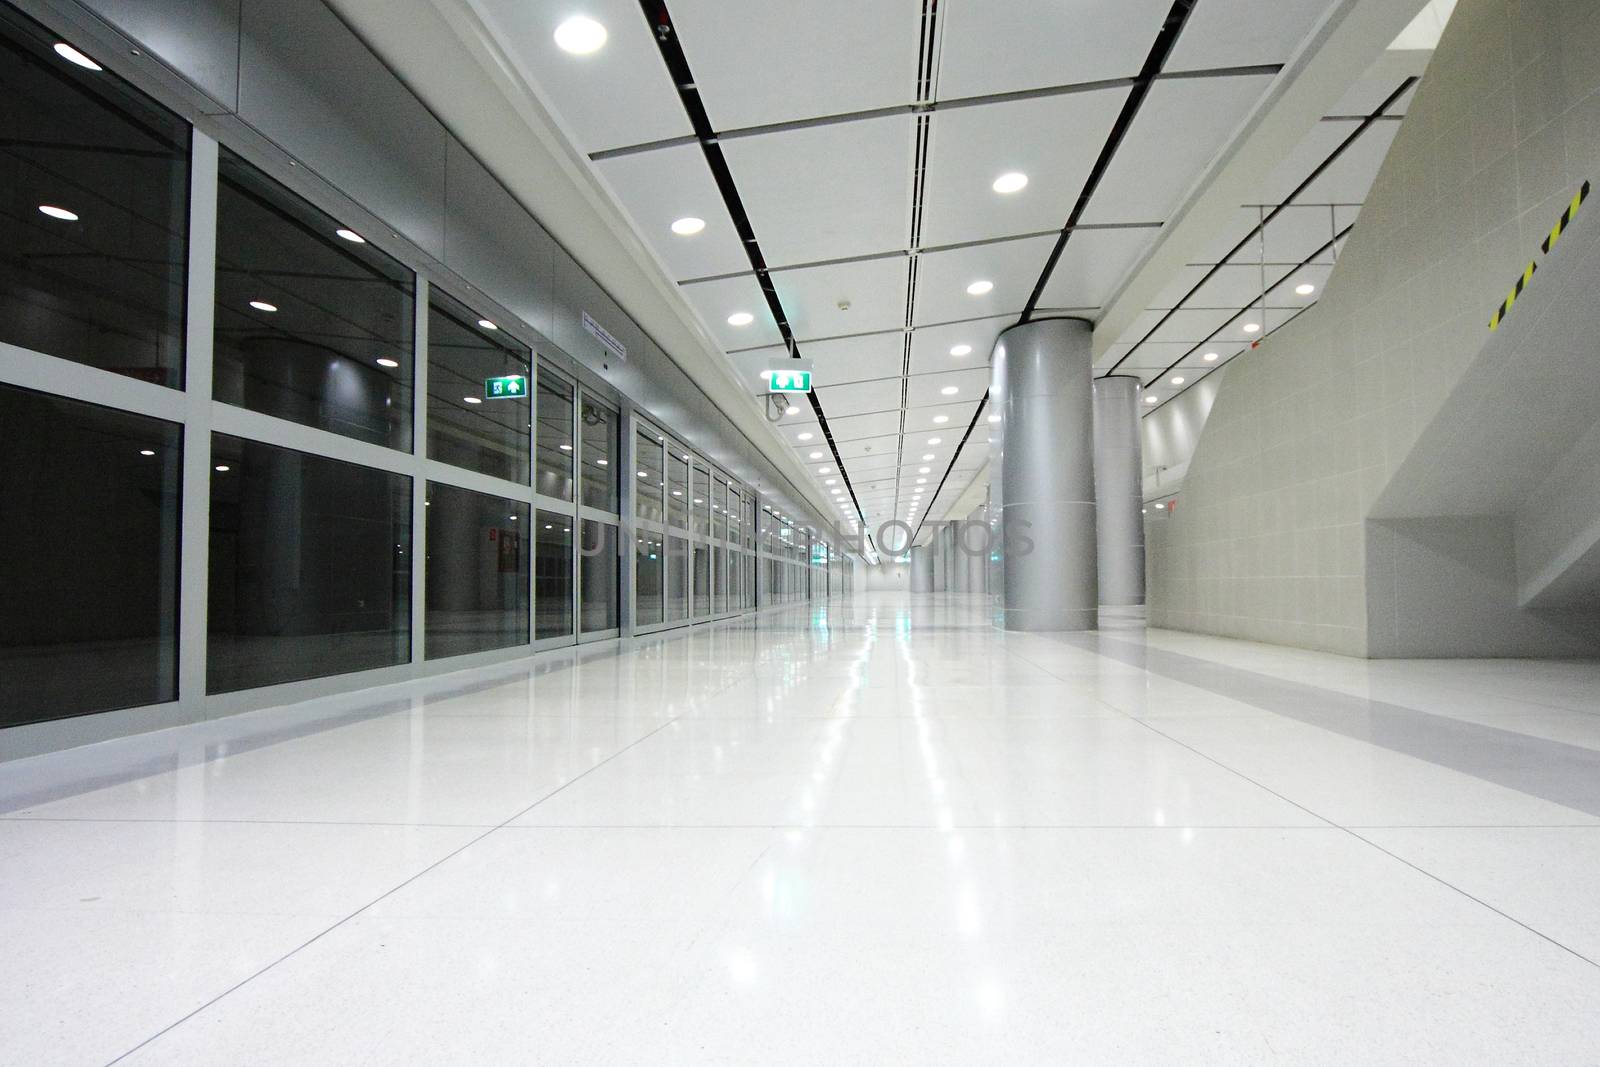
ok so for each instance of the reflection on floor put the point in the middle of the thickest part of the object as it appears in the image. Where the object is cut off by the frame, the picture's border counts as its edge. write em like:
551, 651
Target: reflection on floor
875, 832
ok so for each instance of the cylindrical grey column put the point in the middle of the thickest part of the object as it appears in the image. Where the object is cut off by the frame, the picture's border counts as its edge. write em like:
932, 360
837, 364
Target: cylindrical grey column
1042, 381
921, 569
1119, 489
973, 544
958, 563
936, 552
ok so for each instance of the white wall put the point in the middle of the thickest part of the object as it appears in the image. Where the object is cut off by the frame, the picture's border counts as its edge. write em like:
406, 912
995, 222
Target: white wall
1172, 432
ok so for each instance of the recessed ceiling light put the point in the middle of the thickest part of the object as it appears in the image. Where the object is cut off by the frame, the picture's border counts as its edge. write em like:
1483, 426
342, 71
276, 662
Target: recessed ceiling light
1010, 182
924, 470
1150, 399
688, 226
387, 362
643, 474
1177, 379
741, 318
222, 468
838, 492
922, 481
147, 452
824, 470
1252, 327
935, 440
1305, 289
479, 400
941, 419
802, 437
791, 410
350, 235
1210, 357
994, 418
564, 448
978, 288
603, 462
949, 390
831, 481
927, 457
487, 325
817, 455
580, 35
58, 213
961, 350
72, 55
262, 305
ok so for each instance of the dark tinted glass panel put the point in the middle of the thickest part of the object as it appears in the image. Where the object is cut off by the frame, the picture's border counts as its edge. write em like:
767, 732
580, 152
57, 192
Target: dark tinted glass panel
466, 426
308, 323
310, 566
552, 571
88, 558
477, 571
702, 580
649, 569
598, 577
677, 488
553, 470
677, 579
95, 217
600, 436
649, 478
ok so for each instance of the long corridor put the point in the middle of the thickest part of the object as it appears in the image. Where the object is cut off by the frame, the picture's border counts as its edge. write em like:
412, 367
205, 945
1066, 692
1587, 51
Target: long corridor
881, 828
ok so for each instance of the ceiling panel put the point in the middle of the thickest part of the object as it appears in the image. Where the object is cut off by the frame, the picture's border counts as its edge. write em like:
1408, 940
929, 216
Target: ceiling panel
942, 279
1240, 33
925, 419
925, 390
1184, 280
862, 426
1317, 145
1284, 295
1293, 236
1053, 140
875, 291
582, 91
1192, 327
1182, 126
761, 61
856, 359
656, 189
1352, 174
989, 47
715, 301
867, 446
859, 398
1091, 266
1154, 356
826, 192
1373, 88
1235, 286
931, 345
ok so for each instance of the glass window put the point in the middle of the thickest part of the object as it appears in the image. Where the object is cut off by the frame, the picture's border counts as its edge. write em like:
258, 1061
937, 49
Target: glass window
467, 427
88, 558
719, 568
552, 576
701, 501
598, 576
477, 572
310, 326
735, 509
93, 237
719, 507
310, 566
702, 580
677, 486
649, 476
677, 579
600, 436
553, 474
649, 570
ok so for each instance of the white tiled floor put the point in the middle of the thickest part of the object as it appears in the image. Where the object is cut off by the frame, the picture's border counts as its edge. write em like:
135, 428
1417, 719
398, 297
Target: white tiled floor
877, 833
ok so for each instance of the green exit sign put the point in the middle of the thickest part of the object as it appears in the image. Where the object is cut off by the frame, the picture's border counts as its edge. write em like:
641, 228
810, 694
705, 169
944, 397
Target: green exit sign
511, 385
789, 381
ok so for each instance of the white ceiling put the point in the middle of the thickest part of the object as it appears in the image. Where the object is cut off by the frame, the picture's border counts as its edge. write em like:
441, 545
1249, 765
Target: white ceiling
816, 107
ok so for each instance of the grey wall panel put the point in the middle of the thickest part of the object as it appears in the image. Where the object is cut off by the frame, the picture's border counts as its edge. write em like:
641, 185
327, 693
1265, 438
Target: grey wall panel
308, 83
491, 239
1119, 510
198, 39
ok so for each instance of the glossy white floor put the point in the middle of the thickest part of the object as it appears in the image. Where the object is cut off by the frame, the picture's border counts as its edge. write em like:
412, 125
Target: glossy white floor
880, 832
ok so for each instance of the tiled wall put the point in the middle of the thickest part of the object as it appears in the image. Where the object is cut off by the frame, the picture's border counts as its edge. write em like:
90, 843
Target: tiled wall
1269, 539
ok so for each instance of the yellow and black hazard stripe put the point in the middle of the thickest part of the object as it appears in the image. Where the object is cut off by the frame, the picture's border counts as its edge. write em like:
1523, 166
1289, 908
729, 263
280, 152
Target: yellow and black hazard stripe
1505, 308
1566, 218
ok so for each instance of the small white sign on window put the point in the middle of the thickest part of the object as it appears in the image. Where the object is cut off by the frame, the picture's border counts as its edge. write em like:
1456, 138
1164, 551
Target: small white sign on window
601, 334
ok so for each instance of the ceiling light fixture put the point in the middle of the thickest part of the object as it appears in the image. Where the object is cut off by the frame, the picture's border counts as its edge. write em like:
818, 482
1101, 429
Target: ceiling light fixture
1177, 379
1210, 357
941, 419
1305, 289
58, 213
927, 457
72, 55
802, 437
816, 455
262, 305
580, 35
1252, 327
147, 452
791, 410
222, 468
935, 440
924, 470
387, 362
1011, 182
688, 226
1152, 399
350, 235
479, 400
487, 325
961, 350
980, 287
741, 318
949, 390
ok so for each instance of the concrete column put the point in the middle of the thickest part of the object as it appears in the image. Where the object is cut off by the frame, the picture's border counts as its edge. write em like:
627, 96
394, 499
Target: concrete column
921, 569
974, 535
1119, 489
1042, 388
936, 552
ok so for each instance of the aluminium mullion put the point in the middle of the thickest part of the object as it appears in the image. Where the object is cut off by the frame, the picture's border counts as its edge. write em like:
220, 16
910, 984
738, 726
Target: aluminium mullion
194, 560
419, 465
